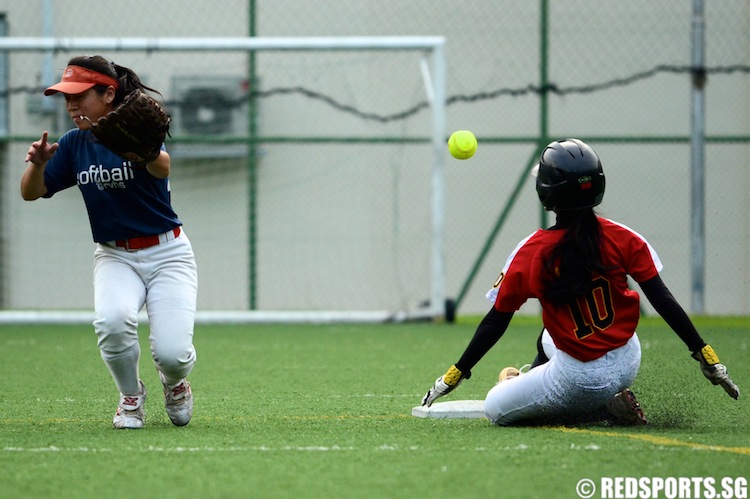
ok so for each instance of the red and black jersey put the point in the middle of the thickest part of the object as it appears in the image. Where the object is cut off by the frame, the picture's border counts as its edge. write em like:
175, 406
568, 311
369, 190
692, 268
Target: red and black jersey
602, 319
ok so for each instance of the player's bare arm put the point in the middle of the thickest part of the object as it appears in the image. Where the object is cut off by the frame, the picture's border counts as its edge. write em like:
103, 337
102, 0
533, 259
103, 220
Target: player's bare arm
160, 167
32, 182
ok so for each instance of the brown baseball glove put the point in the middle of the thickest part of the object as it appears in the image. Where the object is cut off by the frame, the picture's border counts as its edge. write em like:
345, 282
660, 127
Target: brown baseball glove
135, 130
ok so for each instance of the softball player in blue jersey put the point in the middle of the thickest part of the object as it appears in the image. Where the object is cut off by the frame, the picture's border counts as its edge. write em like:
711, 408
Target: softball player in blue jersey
142, 255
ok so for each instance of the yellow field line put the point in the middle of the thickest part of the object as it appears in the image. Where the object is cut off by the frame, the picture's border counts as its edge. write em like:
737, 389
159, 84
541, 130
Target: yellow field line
653, 439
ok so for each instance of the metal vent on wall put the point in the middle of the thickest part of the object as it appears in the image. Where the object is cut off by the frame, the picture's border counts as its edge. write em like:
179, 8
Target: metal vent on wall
208, 106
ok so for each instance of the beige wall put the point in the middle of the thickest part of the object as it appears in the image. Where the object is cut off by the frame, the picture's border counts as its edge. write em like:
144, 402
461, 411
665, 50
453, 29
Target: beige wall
347, 226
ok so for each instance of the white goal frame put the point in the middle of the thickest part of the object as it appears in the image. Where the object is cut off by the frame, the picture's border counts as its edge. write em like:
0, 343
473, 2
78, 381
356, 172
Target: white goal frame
434, 72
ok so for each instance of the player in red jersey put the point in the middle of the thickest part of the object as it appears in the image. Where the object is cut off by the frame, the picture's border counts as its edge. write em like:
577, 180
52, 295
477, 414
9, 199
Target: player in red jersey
588, 353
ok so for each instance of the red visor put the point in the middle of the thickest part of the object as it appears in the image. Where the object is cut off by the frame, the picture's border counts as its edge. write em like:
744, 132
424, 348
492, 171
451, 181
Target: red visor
77, 80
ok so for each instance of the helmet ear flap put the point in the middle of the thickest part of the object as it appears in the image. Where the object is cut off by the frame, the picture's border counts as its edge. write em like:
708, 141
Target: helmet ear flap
546, 195
541, 192
550, 182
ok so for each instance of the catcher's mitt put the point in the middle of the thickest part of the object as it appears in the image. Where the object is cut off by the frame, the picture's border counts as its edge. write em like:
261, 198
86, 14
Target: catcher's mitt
135, 130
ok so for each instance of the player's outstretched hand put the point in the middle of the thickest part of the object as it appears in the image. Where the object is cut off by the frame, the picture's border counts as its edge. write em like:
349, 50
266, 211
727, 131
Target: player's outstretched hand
444, 385
41, 151
715, 371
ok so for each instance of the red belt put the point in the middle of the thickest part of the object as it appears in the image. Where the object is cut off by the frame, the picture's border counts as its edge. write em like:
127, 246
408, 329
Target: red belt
141, 242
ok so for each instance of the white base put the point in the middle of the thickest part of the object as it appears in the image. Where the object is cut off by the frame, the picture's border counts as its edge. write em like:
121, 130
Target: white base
455, 409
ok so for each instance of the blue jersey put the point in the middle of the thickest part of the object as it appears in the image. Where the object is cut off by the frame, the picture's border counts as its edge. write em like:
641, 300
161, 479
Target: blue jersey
122, 200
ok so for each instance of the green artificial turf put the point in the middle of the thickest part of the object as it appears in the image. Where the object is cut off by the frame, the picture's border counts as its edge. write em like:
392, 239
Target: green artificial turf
324, 411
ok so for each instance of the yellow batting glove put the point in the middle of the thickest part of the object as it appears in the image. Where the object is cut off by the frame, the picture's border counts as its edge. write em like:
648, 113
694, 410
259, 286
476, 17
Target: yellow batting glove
715, 371
444, 385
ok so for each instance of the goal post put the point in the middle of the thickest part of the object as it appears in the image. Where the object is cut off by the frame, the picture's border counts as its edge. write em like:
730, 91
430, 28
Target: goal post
432, 67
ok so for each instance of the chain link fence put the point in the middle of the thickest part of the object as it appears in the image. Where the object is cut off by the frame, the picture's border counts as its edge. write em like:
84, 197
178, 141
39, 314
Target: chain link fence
303, 178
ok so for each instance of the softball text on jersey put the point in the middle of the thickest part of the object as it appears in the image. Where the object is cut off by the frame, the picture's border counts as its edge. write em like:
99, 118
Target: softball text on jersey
104, 178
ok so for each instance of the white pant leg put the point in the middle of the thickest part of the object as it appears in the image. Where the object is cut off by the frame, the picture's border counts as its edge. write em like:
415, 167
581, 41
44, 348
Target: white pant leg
172, 278
564, 386
119, 294
548, 344
525, 397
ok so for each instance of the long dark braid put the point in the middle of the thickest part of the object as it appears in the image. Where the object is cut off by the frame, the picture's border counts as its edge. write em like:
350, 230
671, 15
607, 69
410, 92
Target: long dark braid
570, 264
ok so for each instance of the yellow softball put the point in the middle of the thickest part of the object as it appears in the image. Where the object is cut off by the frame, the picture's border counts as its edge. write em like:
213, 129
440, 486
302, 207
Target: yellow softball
462, 144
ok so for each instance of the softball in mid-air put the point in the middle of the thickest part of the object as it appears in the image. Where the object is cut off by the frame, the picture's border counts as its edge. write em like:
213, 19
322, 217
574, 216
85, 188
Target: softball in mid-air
462, 144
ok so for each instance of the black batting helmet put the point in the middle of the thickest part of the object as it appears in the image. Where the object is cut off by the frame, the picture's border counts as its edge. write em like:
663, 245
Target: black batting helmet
569, 176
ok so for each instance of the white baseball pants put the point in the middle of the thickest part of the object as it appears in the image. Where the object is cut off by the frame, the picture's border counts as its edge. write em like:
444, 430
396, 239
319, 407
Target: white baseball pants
164, 278
564, 386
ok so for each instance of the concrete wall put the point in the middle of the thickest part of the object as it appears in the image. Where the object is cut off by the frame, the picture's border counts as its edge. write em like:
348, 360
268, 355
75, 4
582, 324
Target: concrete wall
346, 226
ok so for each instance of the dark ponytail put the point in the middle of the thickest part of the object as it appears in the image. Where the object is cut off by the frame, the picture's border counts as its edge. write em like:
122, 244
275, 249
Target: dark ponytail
127, 78
570, 265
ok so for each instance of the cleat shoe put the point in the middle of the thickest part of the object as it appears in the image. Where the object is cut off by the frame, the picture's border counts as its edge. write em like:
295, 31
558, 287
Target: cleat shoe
626, 409
512, 372
178, 401
507, 373
130, 414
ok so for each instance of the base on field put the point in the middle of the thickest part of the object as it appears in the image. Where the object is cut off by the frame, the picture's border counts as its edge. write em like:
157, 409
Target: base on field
455, 409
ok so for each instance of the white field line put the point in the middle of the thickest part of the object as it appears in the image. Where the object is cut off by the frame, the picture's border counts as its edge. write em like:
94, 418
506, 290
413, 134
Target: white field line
176, 450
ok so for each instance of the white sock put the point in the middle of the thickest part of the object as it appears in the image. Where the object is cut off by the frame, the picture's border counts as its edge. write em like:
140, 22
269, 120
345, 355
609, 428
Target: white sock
170, 382
124, 370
